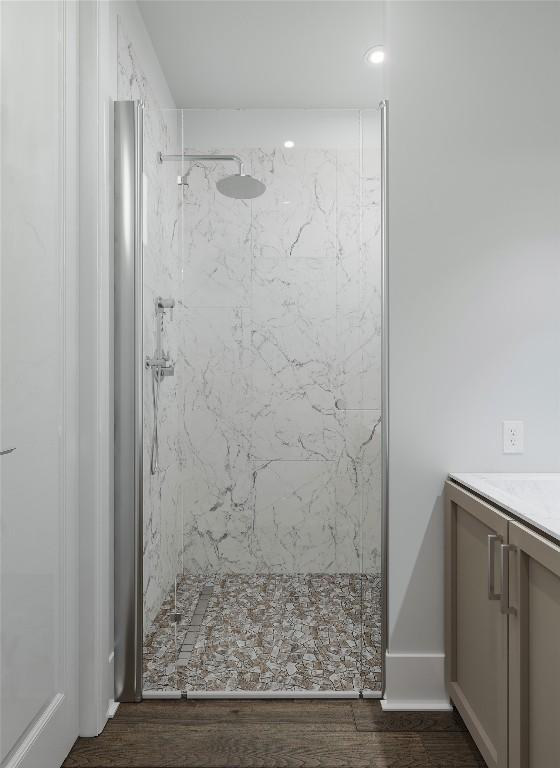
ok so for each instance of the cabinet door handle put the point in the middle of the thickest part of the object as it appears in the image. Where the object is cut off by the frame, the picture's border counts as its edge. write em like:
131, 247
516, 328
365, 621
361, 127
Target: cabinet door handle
505, 607
492, 539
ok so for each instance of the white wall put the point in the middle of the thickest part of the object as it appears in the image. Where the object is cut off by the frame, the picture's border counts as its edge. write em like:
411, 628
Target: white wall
475, 280
96, 432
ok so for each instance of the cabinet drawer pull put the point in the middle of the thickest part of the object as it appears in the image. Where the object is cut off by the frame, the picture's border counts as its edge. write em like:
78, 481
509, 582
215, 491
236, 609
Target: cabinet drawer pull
492, 540
505, 607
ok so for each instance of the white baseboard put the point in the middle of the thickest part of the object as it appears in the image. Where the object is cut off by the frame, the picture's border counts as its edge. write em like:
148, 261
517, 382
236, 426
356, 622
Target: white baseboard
415, 682
415, 705
112, 709
31, 749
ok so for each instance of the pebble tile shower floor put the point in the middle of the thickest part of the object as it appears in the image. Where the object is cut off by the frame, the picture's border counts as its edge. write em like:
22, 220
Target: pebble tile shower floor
319, 632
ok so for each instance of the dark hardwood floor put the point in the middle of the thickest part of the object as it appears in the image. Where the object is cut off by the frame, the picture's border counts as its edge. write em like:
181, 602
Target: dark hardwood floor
275, 734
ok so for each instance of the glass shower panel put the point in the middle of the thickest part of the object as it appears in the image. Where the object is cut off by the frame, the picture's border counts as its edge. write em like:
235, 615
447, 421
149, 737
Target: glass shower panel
162, 459
280, 425
262, 481
370, 401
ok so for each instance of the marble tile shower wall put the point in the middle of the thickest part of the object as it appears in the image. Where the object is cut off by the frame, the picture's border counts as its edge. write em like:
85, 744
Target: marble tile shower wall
162, 491
280, 324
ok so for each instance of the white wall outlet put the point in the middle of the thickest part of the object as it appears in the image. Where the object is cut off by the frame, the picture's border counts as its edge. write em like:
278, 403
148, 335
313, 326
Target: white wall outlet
513, 437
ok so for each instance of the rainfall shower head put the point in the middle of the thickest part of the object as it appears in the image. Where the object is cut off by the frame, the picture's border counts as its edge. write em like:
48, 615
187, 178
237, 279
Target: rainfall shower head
240, 185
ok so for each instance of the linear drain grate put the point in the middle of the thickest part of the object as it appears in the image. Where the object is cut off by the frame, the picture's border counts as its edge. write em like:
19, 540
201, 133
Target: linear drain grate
194, 626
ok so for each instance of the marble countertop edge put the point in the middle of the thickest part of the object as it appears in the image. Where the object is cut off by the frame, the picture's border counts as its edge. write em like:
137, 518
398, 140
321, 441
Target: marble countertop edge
532, 497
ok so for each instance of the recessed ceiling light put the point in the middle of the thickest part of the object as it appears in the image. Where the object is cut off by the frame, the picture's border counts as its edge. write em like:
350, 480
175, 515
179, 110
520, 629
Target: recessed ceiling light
375, 55
289, 144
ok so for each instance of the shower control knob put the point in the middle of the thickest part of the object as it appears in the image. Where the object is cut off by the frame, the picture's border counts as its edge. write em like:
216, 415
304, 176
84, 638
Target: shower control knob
340, 404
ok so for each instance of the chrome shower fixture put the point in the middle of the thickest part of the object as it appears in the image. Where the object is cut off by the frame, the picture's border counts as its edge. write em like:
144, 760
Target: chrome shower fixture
240, 185
161, 363
162, 304
161, 366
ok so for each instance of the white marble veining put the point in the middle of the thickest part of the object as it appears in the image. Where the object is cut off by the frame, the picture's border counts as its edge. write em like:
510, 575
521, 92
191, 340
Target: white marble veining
533, 497
215, 353
163, 492
358, 315
277, 319
217, 231
313, 516
294, 359
280, 318
296, 217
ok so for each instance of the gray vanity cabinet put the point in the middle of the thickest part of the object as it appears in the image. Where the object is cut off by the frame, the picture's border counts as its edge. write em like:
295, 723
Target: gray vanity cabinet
476, 628
502, 633
534, 650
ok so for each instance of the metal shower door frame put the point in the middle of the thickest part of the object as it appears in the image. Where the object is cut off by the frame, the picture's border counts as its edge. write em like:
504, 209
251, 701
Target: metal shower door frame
128, 411
384, 110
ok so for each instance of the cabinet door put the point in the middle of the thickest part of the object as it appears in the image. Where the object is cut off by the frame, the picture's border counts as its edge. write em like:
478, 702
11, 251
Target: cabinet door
476, 628
534, 656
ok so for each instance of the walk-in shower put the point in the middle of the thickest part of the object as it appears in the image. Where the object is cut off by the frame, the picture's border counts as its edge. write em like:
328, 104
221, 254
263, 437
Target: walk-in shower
257, 563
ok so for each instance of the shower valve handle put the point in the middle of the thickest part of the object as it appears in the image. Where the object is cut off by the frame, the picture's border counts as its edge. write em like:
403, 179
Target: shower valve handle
164, 304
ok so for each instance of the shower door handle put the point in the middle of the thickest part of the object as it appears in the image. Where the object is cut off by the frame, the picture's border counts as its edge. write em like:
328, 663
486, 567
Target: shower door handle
8, 450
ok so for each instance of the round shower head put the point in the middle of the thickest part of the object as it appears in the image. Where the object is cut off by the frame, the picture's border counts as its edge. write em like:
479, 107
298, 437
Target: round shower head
240, 186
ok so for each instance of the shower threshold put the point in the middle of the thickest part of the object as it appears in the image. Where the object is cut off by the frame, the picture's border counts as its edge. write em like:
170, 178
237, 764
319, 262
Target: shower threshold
288, 694
267, 636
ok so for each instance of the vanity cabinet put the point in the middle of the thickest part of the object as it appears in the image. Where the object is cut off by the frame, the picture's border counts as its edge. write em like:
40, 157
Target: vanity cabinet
476, 628
502, 632
534, 650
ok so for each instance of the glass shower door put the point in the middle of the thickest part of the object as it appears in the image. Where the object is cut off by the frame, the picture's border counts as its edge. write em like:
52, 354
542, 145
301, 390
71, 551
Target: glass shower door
262, 521
281, 343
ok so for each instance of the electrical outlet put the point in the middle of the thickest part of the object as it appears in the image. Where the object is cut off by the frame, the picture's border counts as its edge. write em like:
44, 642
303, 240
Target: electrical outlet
513, 437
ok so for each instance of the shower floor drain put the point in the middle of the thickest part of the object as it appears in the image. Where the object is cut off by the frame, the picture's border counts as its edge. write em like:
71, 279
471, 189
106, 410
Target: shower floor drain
194, 626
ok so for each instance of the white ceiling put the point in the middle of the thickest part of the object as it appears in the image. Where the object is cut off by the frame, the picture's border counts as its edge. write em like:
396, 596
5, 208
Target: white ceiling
267, 53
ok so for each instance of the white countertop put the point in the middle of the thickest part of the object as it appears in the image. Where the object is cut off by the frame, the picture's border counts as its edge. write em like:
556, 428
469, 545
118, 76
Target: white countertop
533, 497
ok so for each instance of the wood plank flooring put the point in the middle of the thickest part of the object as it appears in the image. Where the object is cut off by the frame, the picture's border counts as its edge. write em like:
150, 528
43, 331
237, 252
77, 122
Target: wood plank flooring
276, 734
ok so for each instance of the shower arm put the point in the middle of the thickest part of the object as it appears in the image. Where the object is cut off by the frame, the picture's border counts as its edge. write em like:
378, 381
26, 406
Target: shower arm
193, 158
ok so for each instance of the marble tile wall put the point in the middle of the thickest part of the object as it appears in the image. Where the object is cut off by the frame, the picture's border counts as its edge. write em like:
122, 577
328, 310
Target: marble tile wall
163, 502
279, 320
